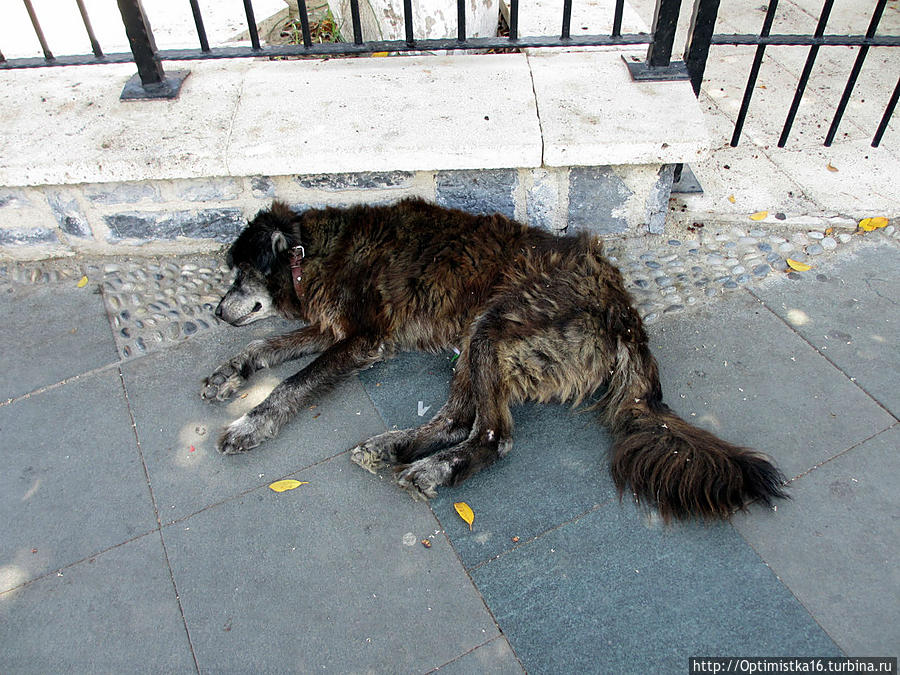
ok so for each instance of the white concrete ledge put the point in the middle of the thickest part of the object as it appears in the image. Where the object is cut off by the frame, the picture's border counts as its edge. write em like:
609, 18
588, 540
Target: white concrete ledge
244, 118
384, 114
592, 113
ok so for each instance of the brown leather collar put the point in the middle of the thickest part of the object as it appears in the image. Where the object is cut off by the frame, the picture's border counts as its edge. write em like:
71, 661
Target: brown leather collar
298, 253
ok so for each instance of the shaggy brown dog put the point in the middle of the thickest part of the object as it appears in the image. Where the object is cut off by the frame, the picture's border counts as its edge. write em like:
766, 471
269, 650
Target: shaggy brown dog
535, 316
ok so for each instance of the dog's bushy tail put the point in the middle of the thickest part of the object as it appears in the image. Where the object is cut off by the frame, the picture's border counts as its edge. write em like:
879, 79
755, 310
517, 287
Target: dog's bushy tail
682, 470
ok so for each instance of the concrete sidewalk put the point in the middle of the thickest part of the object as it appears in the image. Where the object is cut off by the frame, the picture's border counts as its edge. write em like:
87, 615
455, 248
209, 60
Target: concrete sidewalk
130, 545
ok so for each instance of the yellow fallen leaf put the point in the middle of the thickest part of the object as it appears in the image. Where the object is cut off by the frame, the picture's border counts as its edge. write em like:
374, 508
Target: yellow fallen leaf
465, 512
731, 199
830, 168
377, 54
869, 224
759, 215
829, 231
287, 484
82, 282
799, 266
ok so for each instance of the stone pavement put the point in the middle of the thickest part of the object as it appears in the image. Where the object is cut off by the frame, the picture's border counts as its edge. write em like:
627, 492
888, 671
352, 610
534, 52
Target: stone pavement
128, 544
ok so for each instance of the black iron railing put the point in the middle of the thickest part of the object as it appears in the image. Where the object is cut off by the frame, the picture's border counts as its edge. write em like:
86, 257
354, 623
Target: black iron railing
153, 82
815, 41
133, 15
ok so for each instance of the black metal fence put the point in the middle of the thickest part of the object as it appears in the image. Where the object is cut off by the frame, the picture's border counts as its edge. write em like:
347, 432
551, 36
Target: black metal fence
696, 57
152, 81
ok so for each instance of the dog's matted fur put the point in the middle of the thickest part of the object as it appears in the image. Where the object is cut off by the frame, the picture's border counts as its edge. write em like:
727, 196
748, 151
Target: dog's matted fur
535, 316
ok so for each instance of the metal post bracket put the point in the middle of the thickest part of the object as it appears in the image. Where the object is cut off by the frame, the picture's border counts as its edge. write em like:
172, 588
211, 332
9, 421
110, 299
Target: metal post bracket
685, 182
168, 89
642, 72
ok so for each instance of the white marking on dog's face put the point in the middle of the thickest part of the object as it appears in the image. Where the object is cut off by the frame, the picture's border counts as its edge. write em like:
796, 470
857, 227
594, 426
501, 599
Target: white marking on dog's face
247, 300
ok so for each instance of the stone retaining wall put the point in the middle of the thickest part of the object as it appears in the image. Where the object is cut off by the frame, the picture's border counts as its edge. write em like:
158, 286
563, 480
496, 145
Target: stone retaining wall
196, 215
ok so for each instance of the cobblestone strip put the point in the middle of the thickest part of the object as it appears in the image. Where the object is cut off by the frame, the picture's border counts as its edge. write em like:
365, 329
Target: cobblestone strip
701, 262
156, 302
152, 303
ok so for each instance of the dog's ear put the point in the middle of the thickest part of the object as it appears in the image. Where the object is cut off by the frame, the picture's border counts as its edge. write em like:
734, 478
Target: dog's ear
279, 242
283, 216
282, 212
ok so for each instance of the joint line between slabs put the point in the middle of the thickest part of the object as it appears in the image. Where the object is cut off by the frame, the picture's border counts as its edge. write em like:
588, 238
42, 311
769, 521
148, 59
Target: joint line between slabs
162, 540
57, 385
537, 108
58, 570
818, 351
248, 490
808, 471
107, 310
539, 535
468, 574
501, 636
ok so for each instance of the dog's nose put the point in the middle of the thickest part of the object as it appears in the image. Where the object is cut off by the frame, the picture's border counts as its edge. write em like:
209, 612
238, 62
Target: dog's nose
219, 310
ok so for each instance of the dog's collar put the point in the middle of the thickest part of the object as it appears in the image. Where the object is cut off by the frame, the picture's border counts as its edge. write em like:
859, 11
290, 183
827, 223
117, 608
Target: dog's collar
298, 253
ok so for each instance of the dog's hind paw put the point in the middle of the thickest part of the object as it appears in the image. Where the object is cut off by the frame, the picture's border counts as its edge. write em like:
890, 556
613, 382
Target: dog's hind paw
240, 436
422, 477
377, 452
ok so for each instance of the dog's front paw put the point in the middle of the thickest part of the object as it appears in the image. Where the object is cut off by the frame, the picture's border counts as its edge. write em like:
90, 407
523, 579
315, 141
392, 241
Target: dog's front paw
422, 477
377, 452
241, 435
222, 384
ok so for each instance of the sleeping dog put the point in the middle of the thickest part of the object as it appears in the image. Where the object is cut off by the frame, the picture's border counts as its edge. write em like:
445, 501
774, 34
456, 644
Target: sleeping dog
536, 317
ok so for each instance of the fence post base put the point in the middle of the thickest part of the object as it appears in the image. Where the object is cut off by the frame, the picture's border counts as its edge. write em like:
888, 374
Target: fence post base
685, 182
641, 71
169, 88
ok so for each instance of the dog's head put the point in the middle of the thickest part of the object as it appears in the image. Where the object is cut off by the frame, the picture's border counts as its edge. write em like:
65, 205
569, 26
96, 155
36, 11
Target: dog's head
255, 257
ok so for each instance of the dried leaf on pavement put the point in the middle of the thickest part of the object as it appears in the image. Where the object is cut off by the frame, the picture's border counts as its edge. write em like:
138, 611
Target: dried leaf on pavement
798, 266
869, 224
465, 512
287, 484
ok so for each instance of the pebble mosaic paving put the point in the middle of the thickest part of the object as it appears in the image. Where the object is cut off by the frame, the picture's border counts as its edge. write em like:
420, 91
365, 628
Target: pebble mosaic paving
154, 302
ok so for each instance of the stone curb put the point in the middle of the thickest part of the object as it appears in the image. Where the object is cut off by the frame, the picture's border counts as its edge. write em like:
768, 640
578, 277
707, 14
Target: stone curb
189, 216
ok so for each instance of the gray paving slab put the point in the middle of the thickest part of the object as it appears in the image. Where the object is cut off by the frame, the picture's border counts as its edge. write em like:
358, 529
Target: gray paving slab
407, 384
72, 482
178, 430
329, 577
615, 592
50, 333
496, 657
113, 613
739, 371
556, 471
858, 327
837, 543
